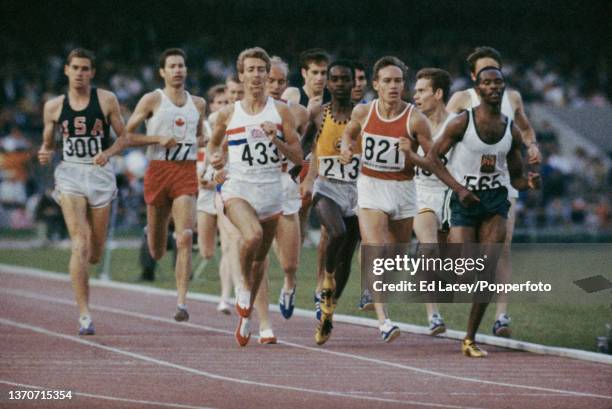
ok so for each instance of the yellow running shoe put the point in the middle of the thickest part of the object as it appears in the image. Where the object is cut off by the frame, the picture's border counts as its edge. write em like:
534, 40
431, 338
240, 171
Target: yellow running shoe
328, 290
324, 329
469, 348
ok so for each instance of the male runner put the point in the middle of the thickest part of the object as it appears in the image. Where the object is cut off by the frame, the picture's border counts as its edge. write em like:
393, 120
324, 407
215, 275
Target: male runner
361, 84
335, 192
174, 122
313, 68
386, 191
84, 183
486, 159
287, 241
431, 92
258, 130
206, 212
512, 107
234, 88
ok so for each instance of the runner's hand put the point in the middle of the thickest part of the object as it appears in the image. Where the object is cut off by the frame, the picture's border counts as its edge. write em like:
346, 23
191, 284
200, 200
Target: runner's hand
533, 180
306, 188
167, 141
467, 198
534, 154
100, 159
45, 155
270, 129
216, 161
346, 155
219, 176
314, 103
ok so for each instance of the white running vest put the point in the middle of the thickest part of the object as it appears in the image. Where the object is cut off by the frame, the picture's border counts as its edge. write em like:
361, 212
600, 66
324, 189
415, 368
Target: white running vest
506, 109
252, 156
478, 165
425, 178
180, 122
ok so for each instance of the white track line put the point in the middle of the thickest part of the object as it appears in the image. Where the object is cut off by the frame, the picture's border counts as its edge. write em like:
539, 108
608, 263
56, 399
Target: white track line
349, 319
211, 375
38, 296
106, 397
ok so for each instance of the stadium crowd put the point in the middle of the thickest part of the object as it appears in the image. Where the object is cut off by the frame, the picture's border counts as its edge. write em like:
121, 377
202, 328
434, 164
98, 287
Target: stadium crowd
576, 189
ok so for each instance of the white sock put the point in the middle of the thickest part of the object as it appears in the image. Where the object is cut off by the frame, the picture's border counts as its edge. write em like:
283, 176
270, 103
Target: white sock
85, 321
181, 306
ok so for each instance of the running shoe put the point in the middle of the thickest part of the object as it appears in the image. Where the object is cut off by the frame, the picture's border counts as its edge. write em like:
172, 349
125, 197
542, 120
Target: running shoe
266, 337
469, 348
388, 331
286, 302
317, 301
328, 290
324, 329
223, 307
243, 301
436, 325
88, 329
501, 328
243, 334
181, 314
366, 303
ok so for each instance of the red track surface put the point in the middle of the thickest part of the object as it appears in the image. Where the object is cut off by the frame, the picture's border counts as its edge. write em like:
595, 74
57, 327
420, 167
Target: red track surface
141, 354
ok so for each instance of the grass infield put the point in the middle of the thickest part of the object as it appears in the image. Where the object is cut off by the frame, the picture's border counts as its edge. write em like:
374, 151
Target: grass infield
562, 325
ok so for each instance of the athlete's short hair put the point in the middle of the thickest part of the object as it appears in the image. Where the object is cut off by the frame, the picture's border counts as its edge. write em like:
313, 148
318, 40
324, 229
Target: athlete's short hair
342, 63
255, 52
358, 65
483, 52
313, 55
232, 78
215, 90
82, 53
276, 60
170, 52
439, 79
387, 61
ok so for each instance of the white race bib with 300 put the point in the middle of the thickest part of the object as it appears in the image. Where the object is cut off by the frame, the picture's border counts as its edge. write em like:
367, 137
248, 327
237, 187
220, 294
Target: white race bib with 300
382, 153
330, 167
82, 149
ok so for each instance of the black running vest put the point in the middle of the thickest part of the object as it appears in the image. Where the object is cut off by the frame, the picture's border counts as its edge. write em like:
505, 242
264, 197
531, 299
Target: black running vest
85, 133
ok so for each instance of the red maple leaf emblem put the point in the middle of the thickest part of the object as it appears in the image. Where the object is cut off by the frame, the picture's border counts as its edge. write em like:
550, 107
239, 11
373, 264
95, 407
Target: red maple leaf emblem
179, 122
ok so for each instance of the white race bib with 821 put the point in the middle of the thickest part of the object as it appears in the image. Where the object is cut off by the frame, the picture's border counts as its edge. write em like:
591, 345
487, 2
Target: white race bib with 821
382, 153
331, 168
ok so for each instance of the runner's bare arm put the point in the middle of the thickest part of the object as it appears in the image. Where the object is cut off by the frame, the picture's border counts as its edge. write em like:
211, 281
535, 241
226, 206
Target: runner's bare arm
459, 101
50, 115
352, 131
291, 94
214, 148
528, 135
515, 165
420, 130
144, 110
110, 105
200, 132
290, 147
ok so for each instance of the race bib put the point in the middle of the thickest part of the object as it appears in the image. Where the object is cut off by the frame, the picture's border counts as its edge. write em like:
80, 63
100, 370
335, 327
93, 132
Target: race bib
81, 149
257, 152
330, 167
382, 153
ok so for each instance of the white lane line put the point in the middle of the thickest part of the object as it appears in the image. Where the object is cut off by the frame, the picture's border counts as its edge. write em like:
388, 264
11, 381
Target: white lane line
349, 319
106, 397
38, 296
211, 375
